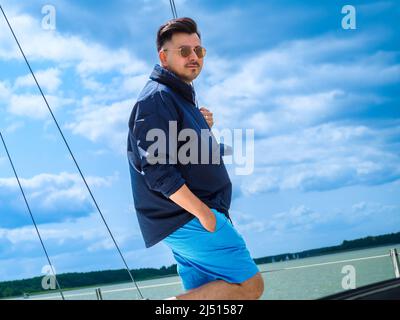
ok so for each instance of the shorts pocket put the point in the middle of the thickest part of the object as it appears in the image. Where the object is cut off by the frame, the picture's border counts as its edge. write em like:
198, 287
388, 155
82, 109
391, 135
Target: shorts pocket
221, 220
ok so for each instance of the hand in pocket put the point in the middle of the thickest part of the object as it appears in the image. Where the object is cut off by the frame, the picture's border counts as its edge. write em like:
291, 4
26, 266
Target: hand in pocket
209, 221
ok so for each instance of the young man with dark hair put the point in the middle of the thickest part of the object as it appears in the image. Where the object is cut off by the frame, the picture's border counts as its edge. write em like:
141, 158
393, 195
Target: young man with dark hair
186, 205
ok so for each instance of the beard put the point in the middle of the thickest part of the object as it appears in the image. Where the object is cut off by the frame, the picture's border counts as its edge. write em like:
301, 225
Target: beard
187, 74
190, 74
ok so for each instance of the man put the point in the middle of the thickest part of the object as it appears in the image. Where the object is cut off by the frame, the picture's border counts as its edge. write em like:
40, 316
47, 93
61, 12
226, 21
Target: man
186, 205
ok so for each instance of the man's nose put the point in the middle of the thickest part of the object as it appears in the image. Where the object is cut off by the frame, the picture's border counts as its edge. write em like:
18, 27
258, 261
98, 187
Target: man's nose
193, 56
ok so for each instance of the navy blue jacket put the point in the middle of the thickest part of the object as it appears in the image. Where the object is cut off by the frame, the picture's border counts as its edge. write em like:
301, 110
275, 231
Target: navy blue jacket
167, 98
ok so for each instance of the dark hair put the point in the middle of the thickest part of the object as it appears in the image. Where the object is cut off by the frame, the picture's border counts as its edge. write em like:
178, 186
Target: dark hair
167, 30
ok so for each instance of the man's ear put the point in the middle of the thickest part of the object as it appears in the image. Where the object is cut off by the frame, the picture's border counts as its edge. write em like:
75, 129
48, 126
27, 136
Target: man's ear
163, 58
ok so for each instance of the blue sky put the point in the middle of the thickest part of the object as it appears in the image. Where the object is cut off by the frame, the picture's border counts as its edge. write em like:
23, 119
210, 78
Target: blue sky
323, 101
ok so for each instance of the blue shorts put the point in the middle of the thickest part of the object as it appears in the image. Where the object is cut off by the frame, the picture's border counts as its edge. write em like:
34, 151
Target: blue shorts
204, 256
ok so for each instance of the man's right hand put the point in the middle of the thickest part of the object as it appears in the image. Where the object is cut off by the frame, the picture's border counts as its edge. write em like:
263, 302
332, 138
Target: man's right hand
208, 221
191, 203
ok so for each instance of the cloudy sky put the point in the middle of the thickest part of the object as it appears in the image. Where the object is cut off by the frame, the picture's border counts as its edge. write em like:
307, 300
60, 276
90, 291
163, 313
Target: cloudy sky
323, 103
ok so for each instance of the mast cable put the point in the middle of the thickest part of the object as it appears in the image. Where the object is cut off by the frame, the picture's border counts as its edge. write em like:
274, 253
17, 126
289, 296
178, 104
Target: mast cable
70, 152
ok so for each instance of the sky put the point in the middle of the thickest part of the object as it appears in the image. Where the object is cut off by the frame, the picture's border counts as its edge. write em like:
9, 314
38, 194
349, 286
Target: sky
323, 102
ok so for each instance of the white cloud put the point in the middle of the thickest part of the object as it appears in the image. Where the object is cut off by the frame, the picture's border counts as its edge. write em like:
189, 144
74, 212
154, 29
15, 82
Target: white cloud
133, 84
106, 123
60, 232
5, 91
367, 210
298, 218
85, 239
48, 79
127, 75
309, 104
301, 218
324, 157
64, 193
33, 105
89, 57
116, 89
298, 83
62, 179
89, 231
14, 127
247, 223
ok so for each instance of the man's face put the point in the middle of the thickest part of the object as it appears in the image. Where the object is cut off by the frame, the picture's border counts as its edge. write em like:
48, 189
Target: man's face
185, 68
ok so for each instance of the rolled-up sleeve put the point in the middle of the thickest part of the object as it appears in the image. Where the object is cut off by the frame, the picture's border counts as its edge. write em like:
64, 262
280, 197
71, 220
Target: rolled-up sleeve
156, 112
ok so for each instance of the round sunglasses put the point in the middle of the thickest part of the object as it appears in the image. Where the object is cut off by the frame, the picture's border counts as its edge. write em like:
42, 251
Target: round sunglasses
186, 51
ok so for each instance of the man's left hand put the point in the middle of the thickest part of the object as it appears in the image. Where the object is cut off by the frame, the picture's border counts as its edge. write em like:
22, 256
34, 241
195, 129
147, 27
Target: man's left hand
208, 116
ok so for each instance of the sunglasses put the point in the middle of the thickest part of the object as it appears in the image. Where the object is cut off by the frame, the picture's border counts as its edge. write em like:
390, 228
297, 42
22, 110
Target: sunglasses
186, 51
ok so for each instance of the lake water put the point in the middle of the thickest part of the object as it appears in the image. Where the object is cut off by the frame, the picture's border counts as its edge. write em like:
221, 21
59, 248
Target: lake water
283, 280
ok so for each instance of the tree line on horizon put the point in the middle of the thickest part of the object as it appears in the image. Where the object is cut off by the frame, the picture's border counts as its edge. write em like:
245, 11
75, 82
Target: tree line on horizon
17, 288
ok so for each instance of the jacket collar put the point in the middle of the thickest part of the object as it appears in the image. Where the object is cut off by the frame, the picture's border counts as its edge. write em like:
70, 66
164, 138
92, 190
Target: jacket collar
168, 78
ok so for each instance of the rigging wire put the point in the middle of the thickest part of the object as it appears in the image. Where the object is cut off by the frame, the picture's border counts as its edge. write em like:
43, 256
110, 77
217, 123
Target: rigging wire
32, 217
173, 9
71, 153
175, 15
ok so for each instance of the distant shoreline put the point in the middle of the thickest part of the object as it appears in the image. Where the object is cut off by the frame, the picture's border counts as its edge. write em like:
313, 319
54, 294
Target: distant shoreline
78, 281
